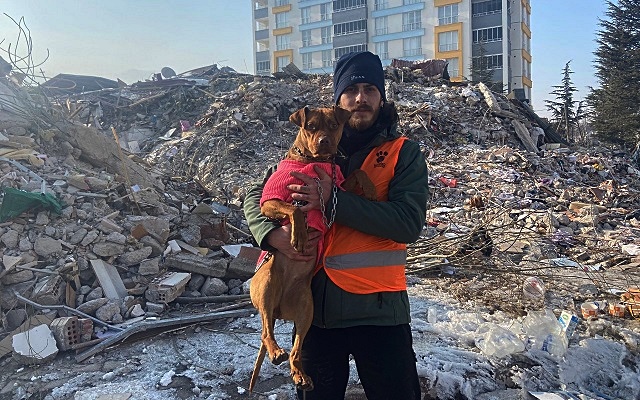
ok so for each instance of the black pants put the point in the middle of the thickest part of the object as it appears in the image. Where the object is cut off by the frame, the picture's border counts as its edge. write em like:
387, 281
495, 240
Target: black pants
384, 358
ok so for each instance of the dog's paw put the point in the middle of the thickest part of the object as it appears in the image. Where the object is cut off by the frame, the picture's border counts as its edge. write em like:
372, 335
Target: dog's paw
279, 357
302, 381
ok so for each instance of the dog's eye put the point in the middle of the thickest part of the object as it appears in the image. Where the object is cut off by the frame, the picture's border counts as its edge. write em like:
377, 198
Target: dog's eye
333, 126
311, 127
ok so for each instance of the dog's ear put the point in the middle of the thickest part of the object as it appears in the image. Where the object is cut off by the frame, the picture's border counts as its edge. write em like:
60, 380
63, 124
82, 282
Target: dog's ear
342, 115
300, 116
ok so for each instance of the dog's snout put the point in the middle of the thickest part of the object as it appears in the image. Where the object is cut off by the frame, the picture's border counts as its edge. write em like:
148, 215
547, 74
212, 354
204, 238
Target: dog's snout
323, 140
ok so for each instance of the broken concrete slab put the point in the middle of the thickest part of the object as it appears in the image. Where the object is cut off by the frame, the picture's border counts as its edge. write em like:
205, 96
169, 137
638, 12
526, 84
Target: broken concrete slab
34, 346
110, 279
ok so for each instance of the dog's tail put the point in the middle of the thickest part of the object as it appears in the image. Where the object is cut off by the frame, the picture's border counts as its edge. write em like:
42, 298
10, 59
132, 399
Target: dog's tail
257, 366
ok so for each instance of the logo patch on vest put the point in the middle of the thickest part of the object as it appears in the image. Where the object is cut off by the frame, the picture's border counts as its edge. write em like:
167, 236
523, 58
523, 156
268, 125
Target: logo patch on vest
380, 156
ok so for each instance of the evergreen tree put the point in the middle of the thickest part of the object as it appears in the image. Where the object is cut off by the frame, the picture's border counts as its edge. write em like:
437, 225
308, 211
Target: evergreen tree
616, 103
563, 108
480, 71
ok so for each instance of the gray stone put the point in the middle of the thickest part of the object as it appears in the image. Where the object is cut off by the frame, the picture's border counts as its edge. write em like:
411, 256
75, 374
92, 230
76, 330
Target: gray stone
42, 218
154, 307
25, 244
67, 212
90, 238
96, 184
158, 228
134, 257
46, 246
10, 239
150, 266
137, 311
108, 311
191, 234
214, 287
78, 236
156, 247
196, 281
90, 307
116, 237
108, 249
17, 277
96, 293
15, 318
197, 264
51, 231
241, 268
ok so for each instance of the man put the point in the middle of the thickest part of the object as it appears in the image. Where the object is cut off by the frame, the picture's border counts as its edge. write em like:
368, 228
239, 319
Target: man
361, 306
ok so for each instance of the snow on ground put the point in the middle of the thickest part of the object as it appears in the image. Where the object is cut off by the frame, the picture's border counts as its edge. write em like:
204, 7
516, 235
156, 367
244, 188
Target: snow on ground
214, 361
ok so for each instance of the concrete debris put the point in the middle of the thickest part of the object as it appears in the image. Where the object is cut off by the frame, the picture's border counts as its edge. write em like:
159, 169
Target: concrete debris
154, 214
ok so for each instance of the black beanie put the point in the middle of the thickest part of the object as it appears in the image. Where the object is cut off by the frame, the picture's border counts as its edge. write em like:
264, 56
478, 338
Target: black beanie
358, 67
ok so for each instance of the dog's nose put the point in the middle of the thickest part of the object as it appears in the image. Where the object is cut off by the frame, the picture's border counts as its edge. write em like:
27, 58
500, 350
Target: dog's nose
323, 140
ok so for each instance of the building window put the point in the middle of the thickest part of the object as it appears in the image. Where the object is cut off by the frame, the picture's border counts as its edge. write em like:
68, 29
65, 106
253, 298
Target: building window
448, 41
282, 20
526, 43
305, 15
407, 2
283, 42
307, 60
411, 47
411, 20
454, 67
327, 60
486, 35
342, 5
526, 68
325, 11
493, 61
281, 3
340, 51
347, 28
448, 14
486, 7
263, 67
381, 4
282, 61
525, 16
325, 34
306, 38
382, 50
381, 26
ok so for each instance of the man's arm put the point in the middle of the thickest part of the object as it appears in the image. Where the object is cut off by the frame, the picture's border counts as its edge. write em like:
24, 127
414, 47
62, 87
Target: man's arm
259, 225
271, 235
402, 217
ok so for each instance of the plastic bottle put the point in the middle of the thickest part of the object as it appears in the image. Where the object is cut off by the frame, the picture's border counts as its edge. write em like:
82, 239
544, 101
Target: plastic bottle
496, 341
533, 288
544, 332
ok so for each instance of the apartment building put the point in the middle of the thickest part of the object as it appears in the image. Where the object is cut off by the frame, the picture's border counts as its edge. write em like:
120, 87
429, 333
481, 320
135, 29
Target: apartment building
475, 36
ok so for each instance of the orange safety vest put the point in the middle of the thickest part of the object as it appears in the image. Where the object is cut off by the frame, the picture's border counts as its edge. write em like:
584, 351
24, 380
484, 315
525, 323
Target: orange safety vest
361, 263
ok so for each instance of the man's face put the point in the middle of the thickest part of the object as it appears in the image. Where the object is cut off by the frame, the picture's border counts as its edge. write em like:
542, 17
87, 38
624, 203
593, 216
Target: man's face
364, 101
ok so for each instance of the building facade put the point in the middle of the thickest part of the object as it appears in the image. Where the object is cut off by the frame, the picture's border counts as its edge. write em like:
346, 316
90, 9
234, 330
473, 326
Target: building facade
475, 36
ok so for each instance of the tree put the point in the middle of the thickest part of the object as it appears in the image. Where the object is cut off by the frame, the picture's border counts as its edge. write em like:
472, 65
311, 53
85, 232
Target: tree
615, 104
480, 72
564, 112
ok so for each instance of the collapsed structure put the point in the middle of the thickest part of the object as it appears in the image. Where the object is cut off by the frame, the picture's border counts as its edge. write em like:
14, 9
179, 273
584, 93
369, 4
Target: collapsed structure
122, 202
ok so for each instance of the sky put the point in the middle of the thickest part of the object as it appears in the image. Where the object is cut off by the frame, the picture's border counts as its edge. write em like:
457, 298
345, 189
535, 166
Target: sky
131, 39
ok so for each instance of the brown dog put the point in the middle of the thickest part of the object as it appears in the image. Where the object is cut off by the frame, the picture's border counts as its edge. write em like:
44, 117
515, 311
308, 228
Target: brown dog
281, 287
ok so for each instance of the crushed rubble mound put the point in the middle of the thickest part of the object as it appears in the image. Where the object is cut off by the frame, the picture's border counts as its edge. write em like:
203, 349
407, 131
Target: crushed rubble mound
122, 207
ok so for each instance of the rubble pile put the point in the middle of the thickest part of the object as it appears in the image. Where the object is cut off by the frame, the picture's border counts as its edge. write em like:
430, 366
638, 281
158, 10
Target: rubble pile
139, 192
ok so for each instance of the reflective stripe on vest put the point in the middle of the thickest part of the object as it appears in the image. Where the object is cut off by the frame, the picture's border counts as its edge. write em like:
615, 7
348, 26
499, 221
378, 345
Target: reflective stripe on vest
361, 263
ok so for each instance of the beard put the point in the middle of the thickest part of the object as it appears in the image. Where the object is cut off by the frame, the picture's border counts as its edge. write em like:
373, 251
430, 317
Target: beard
362, 123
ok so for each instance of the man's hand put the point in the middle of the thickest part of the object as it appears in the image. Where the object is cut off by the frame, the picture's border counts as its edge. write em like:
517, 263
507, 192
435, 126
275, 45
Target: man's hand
309, 191
280, 238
